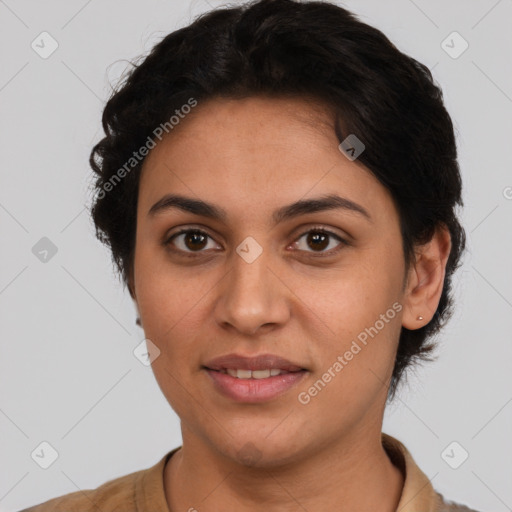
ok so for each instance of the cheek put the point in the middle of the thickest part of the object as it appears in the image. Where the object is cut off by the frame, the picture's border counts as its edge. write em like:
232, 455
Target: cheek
164, 297
171, 314
172, 306
361, 305
355, 364
354, 296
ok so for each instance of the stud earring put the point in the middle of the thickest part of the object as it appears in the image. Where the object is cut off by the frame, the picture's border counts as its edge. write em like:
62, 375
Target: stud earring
420, 318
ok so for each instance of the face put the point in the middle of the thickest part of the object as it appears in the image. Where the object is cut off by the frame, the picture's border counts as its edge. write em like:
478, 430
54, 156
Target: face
321, 287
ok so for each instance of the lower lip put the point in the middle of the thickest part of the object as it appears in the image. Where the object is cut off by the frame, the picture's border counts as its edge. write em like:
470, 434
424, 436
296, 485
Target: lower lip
254, 390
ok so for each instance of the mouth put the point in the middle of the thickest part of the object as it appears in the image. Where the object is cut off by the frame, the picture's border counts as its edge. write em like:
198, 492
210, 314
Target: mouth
252, 387
253, 379
241, 373
262, 362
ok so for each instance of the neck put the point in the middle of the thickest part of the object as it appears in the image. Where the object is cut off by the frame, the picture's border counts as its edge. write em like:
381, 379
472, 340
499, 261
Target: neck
355, 474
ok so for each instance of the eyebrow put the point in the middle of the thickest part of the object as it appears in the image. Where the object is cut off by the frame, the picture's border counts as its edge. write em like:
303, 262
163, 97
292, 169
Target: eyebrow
302, 207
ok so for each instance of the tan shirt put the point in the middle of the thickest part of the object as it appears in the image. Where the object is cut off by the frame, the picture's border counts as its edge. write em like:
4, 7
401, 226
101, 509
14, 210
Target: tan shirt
143, 491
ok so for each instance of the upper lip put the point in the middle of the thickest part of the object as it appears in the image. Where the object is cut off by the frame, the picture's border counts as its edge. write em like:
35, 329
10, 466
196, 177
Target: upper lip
259, 362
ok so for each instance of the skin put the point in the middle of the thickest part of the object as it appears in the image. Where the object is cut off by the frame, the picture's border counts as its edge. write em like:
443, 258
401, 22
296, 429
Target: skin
251, 157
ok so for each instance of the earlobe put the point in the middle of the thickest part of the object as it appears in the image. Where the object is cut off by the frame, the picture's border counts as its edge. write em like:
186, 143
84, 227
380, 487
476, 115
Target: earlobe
137, 320
426, 280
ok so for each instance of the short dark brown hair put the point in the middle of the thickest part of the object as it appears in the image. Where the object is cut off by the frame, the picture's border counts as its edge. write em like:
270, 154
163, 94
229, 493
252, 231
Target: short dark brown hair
311, 50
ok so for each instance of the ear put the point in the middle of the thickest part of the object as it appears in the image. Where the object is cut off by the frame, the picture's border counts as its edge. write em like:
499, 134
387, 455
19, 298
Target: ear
131, 289
133, 295
425, 279
131, 286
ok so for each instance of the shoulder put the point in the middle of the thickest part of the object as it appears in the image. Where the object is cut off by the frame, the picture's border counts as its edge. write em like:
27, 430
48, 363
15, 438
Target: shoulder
418, 492
140, 490
116, 494
450, 506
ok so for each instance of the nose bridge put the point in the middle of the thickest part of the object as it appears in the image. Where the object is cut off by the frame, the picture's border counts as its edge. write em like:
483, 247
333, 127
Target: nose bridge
249, 286
249, 268
250, 296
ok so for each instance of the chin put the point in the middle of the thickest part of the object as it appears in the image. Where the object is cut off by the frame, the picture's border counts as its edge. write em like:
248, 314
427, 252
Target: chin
259, 452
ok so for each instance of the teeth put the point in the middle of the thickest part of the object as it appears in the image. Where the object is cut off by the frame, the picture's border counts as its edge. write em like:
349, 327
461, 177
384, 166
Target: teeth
255, 374
260, 374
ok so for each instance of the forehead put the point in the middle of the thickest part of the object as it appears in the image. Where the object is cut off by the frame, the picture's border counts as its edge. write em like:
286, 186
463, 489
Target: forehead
253, 152
252, 122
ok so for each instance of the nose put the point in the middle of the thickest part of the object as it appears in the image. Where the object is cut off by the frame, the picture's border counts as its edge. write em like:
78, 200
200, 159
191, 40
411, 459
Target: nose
252, 297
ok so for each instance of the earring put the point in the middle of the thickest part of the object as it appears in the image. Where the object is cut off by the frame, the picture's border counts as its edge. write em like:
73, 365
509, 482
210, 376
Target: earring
137, 321
420, 318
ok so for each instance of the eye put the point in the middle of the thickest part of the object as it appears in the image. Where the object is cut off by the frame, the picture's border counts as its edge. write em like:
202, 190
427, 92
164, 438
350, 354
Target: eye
318, 239
189, 241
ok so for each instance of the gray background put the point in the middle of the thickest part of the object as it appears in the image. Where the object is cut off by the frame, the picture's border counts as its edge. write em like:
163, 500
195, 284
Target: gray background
67, 372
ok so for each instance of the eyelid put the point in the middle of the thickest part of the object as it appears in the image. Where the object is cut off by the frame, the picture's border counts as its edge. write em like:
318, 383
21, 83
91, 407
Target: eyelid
324, 229
178, 230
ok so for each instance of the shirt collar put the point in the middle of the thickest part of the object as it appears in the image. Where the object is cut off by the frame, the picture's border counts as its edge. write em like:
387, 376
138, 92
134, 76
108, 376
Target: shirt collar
417, 493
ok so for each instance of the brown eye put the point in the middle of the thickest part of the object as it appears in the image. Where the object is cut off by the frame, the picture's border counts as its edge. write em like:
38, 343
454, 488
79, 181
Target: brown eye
194, 240
189, 240
317, 240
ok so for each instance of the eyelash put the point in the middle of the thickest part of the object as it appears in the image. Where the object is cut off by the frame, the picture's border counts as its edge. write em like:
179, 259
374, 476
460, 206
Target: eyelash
315, 229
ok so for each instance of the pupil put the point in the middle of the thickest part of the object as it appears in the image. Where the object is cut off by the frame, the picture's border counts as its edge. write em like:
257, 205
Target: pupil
194, 237
322, 237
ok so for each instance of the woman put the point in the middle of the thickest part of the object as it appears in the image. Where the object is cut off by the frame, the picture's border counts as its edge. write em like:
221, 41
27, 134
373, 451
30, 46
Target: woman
278, 185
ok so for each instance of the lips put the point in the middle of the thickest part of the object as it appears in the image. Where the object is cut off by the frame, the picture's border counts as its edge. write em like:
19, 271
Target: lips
255, 363
257, 379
